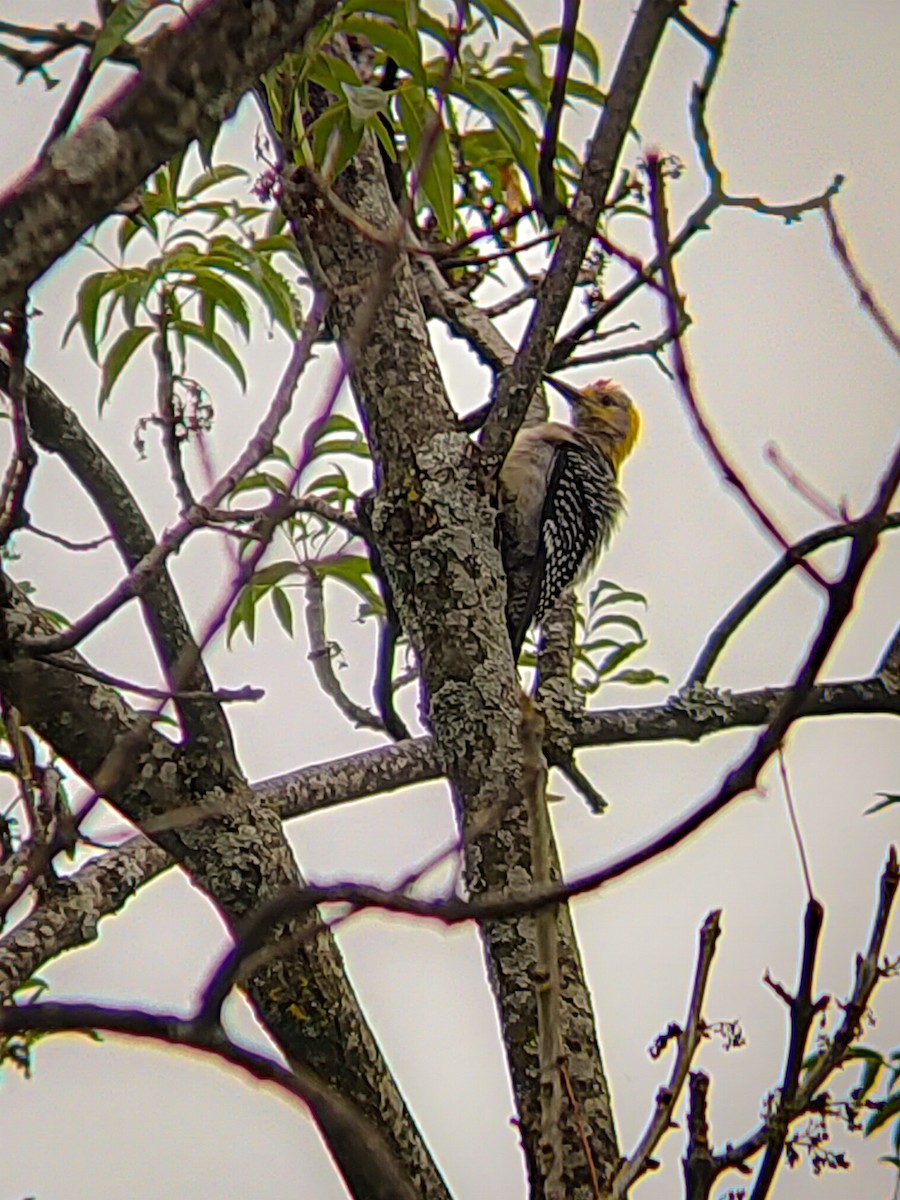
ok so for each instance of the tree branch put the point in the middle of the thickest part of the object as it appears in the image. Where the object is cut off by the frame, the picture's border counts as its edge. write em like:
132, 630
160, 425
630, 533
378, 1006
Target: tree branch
752, 598
52, 929
689, 1039
517, 385
191, 78
57, 429
365, 1161
200, 810
549, 203
864, 293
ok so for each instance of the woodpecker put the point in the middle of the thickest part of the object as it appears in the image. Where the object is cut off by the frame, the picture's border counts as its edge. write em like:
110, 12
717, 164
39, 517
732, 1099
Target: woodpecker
560, 499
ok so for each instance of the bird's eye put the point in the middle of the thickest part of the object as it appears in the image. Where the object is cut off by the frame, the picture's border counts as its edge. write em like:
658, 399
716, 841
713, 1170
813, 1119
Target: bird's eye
606, 401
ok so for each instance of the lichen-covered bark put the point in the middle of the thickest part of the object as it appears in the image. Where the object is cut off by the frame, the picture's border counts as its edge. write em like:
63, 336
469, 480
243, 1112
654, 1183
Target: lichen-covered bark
435, 519
198, 808
190, 80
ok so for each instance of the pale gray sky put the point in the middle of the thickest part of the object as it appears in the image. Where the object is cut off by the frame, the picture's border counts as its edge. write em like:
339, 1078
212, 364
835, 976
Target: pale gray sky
782, 353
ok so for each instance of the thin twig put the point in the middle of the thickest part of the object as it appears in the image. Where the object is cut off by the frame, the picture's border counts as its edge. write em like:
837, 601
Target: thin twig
864, 293
833, 1050
216, 696
197, 516
674, 309
803, 487
293, 507
689, 1039
803, 1010
795, 824
322, 654
550, 204
547, 977
169, 418
66, 543
717, 198
582, 1134
363, 1148
752, 598
65, 114
13, 514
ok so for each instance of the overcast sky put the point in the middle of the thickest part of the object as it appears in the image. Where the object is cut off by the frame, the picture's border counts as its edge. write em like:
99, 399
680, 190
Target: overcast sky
782, 354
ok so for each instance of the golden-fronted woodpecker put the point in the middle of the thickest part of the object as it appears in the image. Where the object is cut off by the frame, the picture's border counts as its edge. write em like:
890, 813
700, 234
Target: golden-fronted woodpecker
560, 499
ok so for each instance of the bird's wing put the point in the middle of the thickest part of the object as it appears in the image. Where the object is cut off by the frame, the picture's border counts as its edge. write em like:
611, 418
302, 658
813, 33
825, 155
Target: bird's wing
581, 493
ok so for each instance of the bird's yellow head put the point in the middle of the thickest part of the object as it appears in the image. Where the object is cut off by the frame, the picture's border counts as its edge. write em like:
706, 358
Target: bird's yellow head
605, 412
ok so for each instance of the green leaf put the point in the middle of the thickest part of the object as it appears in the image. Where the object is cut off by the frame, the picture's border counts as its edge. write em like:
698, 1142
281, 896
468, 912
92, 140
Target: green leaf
355, 571
260, 481
258, 274
215, 343
364, 101
416, 117
210, 178
872, 1068
616, 619
617, 657
584, 48
577, 89
91, 292
273, 573
639, 676
399, 44
890, 1108
122, 20
332, 74
502, 10
616, 594
481, 94
119, 354
283, 611
243, 614
222, 293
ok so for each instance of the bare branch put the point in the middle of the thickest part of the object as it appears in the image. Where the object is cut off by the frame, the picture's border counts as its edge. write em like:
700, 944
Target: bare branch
698, 221
53, 928
56, 429
149, 566
71, 918
368, 1166
833, 1051
550, 205
752, 598
18, 475
689, 1039
322, 654
804, 1010
864, 293
517, 385
675, 310
699, 1167
547, 976
461, 316
803, 487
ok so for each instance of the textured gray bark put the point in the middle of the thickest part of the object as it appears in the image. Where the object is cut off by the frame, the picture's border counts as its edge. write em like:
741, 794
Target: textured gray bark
435, 522
101, 888
234, 848
190, 80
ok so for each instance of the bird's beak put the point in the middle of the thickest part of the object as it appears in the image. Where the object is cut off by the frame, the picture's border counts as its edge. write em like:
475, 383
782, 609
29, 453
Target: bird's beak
572, 394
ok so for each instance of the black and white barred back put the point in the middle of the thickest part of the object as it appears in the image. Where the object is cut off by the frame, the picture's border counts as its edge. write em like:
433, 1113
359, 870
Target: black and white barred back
579, 515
